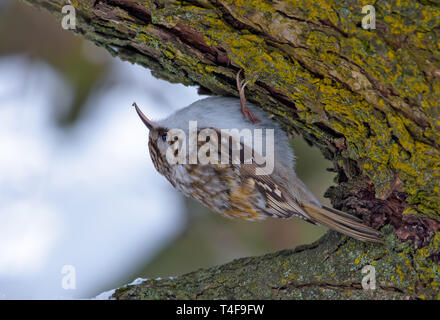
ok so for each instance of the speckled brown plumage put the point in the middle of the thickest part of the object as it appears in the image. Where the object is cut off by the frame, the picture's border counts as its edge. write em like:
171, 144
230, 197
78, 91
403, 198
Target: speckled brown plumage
234, 189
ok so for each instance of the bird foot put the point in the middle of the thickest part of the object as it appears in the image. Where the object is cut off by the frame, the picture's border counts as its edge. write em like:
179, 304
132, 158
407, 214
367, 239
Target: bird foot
247, 113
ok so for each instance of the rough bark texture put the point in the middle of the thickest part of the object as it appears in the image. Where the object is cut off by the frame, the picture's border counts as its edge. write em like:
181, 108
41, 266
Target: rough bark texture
369, 100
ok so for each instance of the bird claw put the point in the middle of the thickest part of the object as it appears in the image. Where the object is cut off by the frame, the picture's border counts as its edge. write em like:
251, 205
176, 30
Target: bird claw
248, 115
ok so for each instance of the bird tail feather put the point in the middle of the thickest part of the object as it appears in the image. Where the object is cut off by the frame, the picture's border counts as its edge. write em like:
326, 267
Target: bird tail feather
342, 222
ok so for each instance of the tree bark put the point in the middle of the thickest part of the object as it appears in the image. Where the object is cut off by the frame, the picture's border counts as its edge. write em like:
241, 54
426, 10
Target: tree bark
368, 99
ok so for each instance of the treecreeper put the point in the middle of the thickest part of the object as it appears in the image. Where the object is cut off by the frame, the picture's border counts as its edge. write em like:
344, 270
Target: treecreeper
203, 151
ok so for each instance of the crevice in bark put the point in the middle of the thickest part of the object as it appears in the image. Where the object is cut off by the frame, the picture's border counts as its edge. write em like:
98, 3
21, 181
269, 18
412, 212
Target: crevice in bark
131, 7
333, 286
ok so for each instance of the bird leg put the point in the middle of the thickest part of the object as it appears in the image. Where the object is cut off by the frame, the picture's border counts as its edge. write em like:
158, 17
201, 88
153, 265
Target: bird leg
241, 84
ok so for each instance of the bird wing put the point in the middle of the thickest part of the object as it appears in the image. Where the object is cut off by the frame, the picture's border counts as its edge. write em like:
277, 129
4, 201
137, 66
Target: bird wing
278, 201
255, 182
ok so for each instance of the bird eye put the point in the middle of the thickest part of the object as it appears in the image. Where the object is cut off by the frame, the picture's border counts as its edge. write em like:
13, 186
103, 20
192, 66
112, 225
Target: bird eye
164, 137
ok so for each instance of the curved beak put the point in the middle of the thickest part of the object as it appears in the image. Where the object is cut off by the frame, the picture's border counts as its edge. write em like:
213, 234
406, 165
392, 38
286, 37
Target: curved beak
150, 125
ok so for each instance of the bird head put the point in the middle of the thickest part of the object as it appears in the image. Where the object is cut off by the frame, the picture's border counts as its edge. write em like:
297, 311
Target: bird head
158, 143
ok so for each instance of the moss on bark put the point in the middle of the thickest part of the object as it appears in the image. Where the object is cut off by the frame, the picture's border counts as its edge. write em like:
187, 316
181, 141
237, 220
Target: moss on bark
331, 268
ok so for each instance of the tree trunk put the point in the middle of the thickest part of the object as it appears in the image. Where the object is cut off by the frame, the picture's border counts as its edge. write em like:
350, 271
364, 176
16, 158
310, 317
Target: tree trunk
368, 99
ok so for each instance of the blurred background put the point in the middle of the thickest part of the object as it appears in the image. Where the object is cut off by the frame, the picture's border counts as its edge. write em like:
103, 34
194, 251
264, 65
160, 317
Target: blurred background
77, 186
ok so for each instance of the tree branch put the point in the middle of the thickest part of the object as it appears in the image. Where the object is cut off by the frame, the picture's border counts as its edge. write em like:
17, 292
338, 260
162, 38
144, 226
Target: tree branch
330, 268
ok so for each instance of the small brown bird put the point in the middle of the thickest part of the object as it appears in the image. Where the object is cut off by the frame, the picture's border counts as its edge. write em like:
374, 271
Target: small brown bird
243, 184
